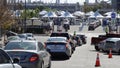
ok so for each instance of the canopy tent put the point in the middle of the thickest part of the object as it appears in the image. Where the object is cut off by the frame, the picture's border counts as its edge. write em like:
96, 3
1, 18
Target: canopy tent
109, 13
109, 16
50, 15
79, 13
59, 13
89, 13
34, 18
96, 15
43, 12
66, 15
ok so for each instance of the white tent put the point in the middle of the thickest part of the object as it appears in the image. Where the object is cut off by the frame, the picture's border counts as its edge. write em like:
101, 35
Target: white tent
109, 13
34, 18
89, 13
79, 13
67, 15
50, 15
43, 12
96, 15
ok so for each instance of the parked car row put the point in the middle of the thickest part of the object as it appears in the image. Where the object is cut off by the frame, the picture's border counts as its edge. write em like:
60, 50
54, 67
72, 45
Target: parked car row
25, 36
26, 52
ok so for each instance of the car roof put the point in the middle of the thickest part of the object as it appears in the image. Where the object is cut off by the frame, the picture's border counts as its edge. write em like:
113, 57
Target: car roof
23, 40
59, 32
113, 39
58, 37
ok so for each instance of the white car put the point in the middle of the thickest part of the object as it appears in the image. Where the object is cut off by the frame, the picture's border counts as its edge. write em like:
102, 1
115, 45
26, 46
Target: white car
7, 62
30, 36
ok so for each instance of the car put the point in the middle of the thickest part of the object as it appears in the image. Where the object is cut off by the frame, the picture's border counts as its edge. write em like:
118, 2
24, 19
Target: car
67, 35
82, 37
22, 36
58, 46
10, 33
31, 53
113, 44
7, 62
101, 45
77, 40
30, 36
10, 38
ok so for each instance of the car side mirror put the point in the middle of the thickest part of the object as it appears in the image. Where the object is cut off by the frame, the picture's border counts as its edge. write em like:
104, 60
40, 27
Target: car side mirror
16, 60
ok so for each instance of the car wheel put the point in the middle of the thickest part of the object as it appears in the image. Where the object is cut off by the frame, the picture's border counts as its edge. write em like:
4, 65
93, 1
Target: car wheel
49, 65
42, 65
119, 52
96, 48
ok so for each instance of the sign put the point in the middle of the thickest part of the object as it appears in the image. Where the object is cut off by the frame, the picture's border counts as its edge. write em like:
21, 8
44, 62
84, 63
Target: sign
113, 15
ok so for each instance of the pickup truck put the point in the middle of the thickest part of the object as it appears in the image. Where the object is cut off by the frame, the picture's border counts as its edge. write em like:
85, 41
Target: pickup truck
96, 40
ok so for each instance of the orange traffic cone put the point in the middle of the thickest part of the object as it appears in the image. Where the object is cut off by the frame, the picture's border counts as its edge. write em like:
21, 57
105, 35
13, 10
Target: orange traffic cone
110, 54
97, 64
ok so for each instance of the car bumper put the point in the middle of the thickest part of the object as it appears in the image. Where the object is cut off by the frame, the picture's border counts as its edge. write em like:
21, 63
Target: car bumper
29, 65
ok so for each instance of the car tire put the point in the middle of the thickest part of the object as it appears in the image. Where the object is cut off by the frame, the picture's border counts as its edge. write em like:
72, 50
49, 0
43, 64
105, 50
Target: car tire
119, 52
42, 65
96, 48
49, 65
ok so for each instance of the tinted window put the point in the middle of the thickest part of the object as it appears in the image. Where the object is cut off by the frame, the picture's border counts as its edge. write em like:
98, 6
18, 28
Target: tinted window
4, 58
40, 45
56, 39
110, 43
60, 35
21, 45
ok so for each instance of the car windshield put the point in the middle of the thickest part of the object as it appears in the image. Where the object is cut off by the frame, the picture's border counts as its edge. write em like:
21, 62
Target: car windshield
22, 36
56, 39
110, 43
13, 38
21, 46
29, 35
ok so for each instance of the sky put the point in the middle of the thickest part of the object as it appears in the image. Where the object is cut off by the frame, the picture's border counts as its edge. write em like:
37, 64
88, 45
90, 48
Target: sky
63, 1
68, 1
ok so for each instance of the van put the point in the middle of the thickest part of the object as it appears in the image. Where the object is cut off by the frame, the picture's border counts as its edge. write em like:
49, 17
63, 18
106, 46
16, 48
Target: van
113, 44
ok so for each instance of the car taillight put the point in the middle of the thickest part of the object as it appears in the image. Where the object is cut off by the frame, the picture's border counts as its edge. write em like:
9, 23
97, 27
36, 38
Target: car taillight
45, 45
66, 45
34, 58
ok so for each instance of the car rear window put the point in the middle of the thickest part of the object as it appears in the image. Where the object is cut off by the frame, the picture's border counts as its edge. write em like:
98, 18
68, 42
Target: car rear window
21, 46
60, 35
56, 39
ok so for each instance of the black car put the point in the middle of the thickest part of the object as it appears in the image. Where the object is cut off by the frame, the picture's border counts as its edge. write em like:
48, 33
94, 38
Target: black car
83, 38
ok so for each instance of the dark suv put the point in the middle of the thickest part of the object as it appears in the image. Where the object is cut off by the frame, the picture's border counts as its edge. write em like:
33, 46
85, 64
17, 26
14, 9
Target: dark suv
64, 34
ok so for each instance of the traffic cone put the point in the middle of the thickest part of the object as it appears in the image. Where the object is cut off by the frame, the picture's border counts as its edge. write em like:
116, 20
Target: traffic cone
110, 54
97, 64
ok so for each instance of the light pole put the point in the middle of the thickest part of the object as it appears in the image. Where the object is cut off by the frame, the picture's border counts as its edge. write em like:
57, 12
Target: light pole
25, 18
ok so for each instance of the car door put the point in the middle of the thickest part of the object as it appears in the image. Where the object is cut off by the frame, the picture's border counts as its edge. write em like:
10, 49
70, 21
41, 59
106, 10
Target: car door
5, 61
44, 53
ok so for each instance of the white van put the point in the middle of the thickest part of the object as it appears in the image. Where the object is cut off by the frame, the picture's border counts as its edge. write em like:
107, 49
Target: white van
113, 44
